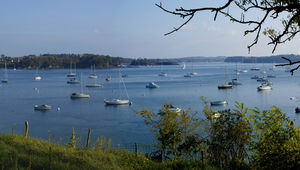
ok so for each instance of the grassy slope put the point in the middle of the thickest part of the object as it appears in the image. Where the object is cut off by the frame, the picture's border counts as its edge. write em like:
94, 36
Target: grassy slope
17, 152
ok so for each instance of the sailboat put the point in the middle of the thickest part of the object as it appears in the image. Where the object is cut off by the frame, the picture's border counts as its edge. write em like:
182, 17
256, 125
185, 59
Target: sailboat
118, 101
162, 74
80, 95
37, 76
255, 68
183, 66
94, 85
108, 77
93, 75
5, 77
225, 85
193, 73
71, 74
235, 80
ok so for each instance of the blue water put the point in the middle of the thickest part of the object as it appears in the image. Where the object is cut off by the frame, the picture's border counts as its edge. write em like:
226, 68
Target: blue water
18, 97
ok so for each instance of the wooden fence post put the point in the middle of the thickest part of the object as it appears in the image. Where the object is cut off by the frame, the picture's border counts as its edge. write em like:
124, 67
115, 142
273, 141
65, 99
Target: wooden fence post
136, 149
88, 139
26, 129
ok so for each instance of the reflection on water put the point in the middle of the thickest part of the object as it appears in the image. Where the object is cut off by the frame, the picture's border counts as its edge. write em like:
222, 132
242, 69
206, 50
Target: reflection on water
119, 123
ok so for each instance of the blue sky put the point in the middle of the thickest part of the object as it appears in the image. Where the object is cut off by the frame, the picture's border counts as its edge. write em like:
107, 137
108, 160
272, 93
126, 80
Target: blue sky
125, 28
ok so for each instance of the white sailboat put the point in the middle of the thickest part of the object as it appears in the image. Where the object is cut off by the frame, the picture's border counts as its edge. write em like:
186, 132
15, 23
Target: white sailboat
183, 66
37, 76
162, 74
235, 81
118, 101
5, 77
93, 74
193, 73
264, 86
108, 77
94, 85
225, 85
80, 95
71, 74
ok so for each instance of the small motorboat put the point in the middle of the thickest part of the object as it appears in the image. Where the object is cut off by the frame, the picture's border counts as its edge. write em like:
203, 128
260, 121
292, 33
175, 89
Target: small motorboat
226, 85
194, 73
188, 75
37, 77
218, 102
171, 108
174, 109
79, 96
108, 78
244, 71
152, 85
43, 107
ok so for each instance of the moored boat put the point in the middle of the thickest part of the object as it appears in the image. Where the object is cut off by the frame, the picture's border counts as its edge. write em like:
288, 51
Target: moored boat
79, 95
264, 86
226, 85
73, 81
152, 85
116, 102
43, 107
218, 102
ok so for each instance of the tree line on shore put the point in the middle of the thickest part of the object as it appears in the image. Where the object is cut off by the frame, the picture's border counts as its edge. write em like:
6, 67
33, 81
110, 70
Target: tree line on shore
62, 61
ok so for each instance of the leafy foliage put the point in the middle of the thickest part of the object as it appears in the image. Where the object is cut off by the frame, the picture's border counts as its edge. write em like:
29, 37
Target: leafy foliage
237, 139
276, 141
175, 131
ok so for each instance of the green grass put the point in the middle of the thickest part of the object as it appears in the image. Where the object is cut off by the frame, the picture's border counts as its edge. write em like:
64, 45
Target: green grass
17, 152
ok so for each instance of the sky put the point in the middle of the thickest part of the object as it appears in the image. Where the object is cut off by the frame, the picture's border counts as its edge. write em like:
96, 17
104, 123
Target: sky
124, 28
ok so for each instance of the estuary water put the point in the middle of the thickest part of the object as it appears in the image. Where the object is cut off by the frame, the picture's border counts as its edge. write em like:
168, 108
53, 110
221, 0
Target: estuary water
120, 123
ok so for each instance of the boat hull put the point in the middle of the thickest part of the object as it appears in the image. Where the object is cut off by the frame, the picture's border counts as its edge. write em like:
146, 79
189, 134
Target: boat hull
225, 87
42, 107
79, 96
93, 85
116, 102
215, 103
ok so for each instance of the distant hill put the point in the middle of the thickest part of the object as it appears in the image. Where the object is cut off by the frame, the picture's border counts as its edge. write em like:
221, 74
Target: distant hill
62, 61
264, 59
202, 59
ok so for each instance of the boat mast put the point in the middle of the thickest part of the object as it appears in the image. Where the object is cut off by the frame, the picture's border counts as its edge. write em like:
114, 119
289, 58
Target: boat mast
119, 85
81, 88
5, 71
71, 67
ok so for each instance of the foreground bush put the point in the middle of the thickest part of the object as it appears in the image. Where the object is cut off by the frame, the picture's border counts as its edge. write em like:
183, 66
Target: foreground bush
231, 139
